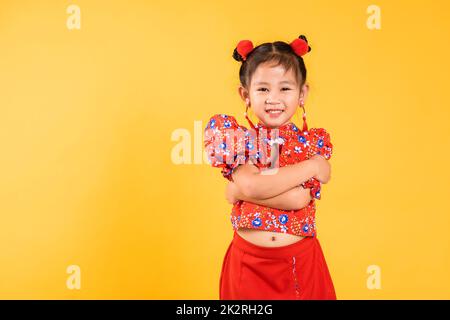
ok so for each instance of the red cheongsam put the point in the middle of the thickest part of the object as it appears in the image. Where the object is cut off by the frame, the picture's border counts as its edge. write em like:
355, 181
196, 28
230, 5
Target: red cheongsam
251, 271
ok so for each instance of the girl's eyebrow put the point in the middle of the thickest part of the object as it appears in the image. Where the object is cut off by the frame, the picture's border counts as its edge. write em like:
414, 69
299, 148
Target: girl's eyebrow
284, 81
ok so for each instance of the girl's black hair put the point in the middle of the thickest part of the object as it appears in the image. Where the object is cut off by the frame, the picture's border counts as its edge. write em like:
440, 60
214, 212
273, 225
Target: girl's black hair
280, 52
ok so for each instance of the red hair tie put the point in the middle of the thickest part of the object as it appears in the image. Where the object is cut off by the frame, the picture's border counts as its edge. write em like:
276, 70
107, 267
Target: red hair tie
244, 47
300, 46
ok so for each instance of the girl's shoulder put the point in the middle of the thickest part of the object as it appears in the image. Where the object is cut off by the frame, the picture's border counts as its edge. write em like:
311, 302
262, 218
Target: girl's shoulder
320, 142
226, 143
307, 135
322, 132
223, 121
310, 142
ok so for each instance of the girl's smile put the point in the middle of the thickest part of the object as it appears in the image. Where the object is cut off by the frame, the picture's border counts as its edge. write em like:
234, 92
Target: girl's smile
274, 112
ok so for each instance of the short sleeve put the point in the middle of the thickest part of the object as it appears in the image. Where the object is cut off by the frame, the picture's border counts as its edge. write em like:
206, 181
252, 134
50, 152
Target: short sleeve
225, 143
319, 143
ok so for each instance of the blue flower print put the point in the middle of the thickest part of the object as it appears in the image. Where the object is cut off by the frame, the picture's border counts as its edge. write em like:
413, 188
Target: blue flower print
256, 222
294, 127
297, 149
223, 145
320, 143
224, 116
212, 123
249, 145
227, 124
305, 228
283, 218
302, 139
317, 194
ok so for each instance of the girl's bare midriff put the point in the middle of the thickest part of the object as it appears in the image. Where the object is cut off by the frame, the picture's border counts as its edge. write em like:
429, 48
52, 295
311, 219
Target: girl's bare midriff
268, 238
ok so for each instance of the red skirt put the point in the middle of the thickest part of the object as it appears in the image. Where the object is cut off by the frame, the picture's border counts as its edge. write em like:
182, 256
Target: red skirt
294, 272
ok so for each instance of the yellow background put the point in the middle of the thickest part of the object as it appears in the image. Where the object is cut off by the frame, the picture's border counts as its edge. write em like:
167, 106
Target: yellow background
86, 118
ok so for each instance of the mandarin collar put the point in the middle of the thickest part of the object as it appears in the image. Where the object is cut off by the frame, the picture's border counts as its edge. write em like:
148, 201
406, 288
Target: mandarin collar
285, 127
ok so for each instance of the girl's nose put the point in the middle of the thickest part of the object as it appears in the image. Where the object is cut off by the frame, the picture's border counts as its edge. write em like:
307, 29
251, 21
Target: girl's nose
272, 101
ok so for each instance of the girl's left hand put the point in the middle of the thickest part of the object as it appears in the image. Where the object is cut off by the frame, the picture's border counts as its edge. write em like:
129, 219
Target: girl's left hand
323, 169
231, 193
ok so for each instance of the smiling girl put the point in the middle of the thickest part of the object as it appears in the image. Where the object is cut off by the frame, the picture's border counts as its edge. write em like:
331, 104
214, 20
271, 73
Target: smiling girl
275, 171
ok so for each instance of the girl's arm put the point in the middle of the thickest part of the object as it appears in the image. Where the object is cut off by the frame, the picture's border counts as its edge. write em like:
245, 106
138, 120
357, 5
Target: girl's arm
294, 199
257, 184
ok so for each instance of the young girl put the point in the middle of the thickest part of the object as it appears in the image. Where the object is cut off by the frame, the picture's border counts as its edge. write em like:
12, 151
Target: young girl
275, 172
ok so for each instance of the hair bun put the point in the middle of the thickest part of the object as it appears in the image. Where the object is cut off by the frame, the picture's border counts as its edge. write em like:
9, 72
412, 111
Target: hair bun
303, 37
300, 45
242, 50
237, 56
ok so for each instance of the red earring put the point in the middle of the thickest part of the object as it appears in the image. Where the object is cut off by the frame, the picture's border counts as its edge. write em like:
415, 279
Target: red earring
305, 125
248, 119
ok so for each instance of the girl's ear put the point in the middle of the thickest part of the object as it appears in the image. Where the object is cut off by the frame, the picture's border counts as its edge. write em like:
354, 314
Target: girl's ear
243, 93
304, 92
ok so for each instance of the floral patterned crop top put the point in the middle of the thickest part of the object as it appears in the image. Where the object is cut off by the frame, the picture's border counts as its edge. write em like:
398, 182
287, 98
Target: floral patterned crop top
229, 144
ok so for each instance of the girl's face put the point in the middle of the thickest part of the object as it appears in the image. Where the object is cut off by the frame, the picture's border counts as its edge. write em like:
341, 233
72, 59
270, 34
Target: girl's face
273, 94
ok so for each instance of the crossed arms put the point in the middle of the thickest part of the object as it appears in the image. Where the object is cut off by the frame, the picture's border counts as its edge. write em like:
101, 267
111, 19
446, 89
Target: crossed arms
279, 187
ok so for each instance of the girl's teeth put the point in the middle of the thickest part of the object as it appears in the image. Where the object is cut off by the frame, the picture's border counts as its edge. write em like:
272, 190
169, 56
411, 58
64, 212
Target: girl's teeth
275, 111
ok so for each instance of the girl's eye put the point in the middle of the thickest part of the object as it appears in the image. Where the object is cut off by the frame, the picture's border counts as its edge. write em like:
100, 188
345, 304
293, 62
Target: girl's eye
263, 89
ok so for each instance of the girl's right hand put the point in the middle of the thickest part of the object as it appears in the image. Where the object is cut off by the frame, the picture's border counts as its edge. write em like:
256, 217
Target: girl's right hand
322, 168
